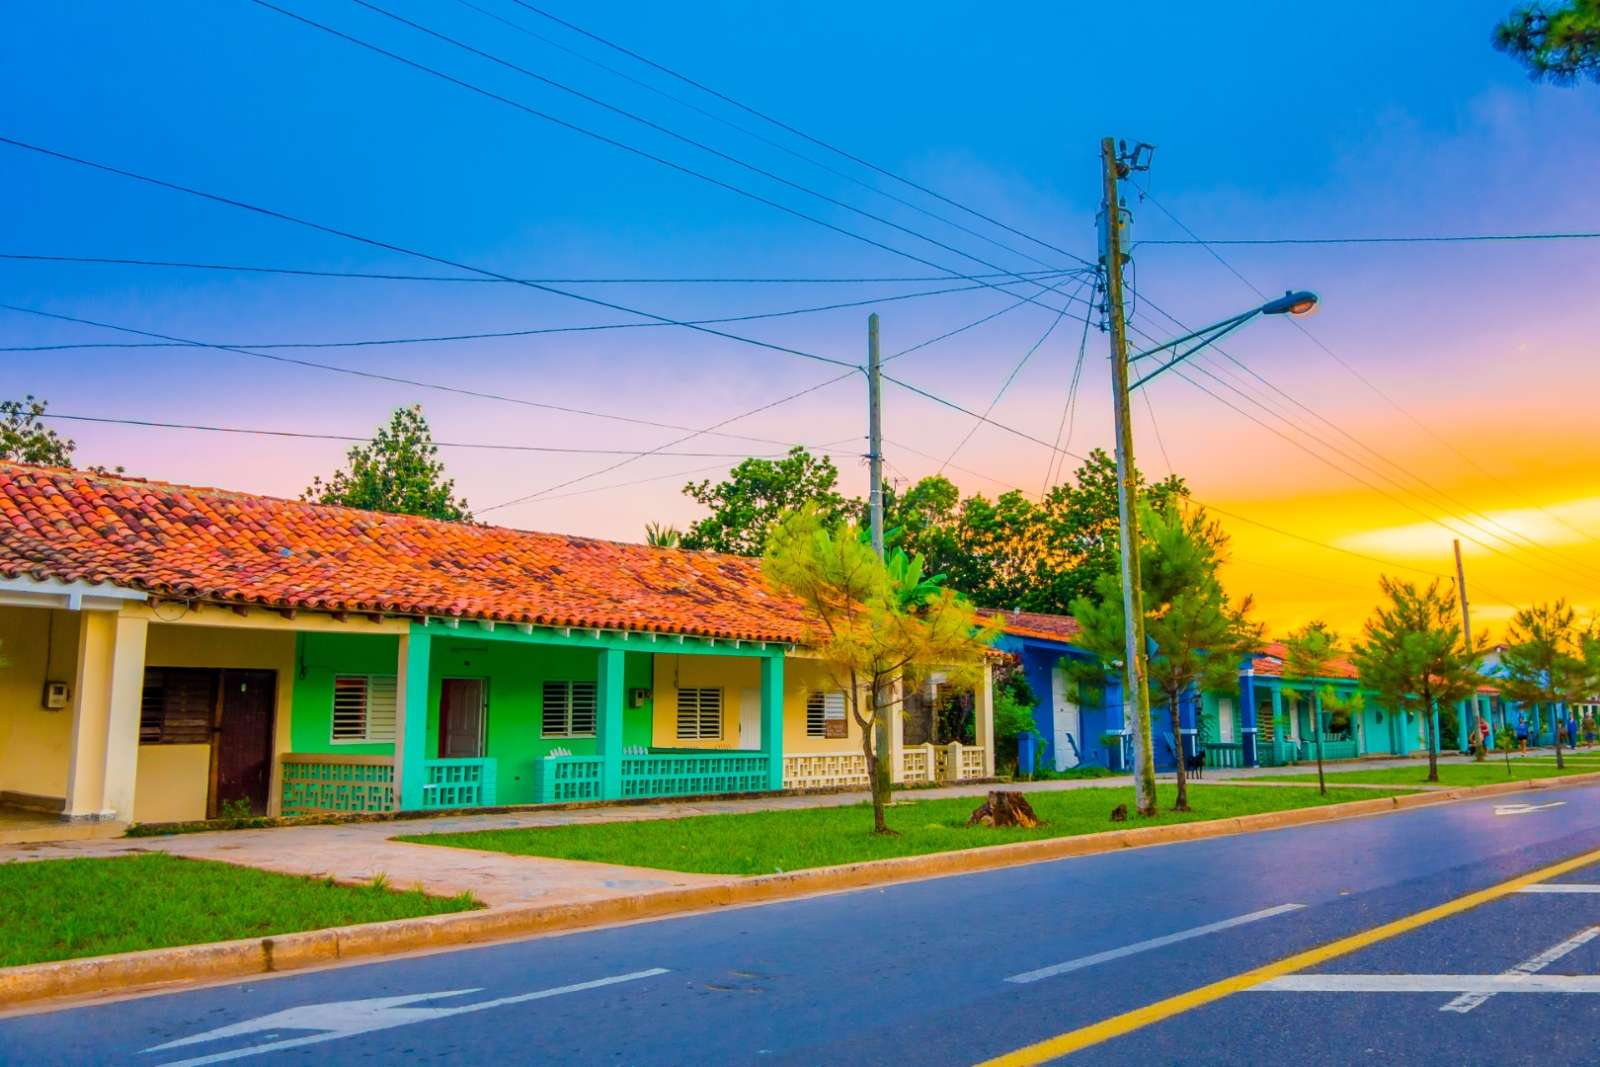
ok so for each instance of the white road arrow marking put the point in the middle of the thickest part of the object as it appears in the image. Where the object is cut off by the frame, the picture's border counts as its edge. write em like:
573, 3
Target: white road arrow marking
347, 1018
1525, 809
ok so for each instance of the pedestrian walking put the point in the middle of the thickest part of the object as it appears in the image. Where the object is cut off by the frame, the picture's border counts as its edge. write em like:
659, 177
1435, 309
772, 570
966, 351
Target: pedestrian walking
1522, 732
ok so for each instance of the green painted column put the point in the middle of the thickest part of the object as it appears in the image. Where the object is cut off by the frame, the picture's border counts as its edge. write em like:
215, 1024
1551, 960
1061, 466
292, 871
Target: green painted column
610, 696
772, 718
1279, 734
411, 734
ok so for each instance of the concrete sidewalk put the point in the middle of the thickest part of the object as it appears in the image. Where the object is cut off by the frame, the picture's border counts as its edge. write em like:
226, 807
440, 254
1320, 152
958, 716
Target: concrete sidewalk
358, 852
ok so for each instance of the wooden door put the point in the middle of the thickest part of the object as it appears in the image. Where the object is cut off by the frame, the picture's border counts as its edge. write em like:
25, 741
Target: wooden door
243, 744
461, 708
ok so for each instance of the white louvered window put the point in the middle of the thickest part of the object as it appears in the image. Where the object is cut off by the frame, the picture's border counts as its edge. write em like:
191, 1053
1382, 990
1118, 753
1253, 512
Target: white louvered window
569, 709
823, 709
699, 714
363, 707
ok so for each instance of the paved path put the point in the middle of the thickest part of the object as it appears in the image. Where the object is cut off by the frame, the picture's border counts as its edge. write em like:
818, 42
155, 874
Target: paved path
361, 851
954, 970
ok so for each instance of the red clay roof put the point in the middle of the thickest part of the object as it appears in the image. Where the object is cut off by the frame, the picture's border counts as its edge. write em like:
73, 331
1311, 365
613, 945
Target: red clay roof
212, 544
1063, 628
1269, 663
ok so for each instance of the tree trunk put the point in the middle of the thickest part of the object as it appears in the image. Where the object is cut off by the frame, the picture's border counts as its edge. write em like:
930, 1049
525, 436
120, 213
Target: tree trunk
1182, 803
1004, 809
1560, 728
1433, 743
1316, 719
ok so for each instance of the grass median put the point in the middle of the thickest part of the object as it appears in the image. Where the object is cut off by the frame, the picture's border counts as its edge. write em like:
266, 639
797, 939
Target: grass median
1457, 774
64, 909
766, 842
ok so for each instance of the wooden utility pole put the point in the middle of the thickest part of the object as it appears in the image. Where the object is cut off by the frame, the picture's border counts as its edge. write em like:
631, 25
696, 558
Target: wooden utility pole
1461, 588
875, 434
1136, 691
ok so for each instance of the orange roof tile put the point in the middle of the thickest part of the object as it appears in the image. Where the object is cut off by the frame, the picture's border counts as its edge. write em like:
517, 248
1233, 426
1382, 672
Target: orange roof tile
1269, 663
1062, 628
212, 544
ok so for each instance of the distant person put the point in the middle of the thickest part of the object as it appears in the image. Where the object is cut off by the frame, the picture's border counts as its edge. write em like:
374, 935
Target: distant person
1522, 732
1483, 734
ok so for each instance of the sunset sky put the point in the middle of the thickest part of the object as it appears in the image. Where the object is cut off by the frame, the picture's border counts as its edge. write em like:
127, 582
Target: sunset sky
1443, 391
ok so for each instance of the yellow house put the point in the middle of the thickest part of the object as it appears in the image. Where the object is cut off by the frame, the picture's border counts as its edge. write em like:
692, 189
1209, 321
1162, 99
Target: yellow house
173, 653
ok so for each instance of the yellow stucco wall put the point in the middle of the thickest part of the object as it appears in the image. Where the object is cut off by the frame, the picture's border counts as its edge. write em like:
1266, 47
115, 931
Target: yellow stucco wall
177, 785
739, 679
35, 742
801, 678
172, 783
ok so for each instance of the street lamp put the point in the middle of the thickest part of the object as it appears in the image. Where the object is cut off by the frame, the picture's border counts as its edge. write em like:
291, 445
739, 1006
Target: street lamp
1295, 304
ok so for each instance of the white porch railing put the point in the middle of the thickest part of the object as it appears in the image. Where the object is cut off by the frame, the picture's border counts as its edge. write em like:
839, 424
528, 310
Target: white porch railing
919, 765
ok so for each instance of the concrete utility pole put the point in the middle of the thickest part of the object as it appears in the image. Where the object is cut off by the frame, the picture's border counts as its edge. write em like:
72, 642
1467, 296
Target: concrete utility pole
1135, 692
875, 434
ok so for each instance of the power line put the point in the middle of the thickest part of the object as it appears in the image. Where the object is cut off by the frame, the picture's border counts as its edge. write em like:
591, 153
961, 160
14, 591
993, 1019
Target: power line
388, 246
747, 131
1543, 550
797, 132
633, 149
504, 334
1419, 239
363, 439
392, 379
1069, 410
392, 277
1005, 385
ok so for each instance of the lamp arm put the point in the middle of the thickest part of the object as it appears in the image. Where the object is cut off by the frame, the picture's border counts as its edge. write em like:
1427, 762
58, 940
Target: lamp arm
1226, 329
1224, 326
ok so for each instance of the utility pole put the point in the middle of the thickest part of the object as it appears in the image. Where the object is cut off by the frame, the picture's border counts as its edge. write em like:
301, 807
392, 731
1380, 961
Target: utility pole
1461, 588
875, 434
1135, 693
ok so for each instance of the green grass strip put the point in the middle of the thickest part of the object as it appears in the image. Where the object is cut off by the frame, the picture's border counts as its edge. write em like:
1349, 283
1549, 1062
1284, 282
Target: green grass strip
62, 909
773, 841
1462, 774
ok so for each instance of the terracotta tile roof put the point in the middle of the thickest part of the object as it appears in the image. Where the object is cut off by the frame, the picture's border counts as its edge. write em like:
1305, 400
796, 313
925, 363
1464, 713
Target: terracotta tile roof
213, 544
1062, 628
1269, 663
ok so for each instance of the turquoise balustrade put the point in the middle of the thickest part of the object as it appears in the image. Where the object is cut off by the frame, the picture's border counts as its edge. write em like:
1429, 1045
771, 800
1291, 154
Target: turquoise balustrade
685, 774
1224, 754
566, 778
458, 783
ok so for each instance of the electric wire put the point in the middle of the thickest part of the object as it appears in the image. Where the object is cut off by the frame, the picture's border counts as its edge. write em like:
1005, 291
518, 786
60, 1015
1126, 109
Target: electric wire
381, 276
635, 150
746, 130
1069, 411
798, 132
1508, 536
391, 247
392, 379
1414, 239
1005, 385
502, 334
363, 439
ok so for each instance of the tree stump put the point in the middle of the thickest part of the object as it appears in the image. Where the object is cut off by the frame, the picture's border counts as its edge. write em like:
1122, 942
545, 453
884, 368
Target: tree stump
1004, 809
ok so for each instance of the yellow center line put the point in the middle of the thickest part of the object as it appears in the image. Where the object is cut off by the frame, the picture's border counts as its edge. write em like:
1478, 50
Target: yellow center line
1073, 1040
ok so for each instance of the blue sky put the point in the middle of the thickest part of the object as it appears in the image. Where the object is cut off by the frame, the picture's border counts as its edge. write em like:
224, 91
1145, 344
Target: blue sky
1359, 119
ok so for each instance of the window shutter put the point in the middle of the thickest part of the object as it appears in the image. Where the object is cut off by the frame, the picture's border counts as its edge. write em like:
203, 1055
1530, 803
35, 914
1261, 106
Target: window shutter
177, 706
569, 709
815, 714
364, 707
699, 714
581, 723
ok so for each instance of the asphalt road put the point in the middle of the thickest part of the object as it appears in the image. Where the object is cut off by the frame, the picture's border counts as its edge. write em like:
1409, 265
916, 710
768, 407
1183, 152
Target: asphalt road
958, 970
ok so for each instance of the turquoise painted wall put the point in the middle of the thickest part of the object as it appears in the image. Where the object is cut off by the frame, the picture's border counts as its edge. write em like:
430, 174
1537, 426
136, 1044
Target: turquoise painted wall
515, 673
318, 657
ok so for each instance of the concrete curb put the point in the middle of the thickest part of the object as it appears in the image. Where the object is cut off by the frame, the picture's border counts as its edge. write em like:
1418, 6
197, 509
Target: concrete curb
133, 971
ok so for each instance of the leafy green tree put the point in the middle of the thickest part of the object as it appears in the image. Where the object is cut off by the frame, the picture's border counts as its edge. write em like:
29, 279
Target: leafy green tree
399, 472
1011, 552
24, 438
1413, 656
746, 505
1544, 661
1558, 42
877, 629
661, 535
1308, 657
1197, 633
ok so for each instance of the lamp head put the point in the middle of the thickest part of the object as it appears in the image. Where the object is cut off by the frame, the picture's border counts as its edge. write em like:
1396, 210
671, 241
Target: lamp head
1298, 304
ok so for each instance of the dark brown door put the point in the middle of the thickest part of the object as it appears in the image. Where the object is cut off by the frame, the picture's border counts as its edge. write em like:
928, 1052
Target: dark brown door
460, 718
244, 739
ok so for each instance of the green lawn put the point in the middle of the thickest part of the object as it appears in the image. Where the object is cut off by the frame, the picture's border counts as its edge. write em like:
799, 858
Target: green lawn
1486, 773
770, 841
61, 909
